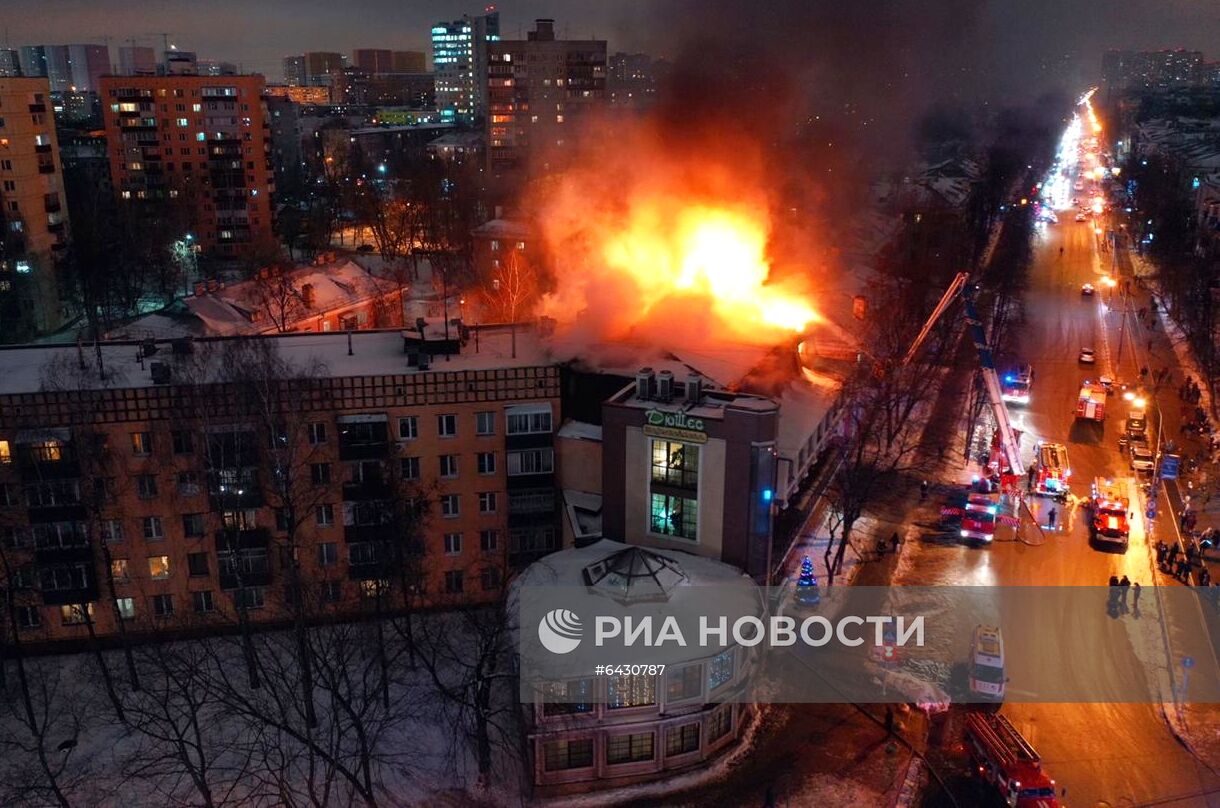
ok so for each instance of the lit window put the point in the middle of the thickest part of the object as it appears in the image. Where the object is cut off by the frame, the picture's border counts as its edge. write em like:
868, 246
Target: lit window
6, 454
674, 516
158, 567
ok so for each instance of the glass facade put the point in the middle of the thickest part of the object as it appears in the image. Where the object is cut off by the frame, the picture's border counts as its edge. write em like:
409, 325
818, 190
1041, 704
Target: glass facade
674, 480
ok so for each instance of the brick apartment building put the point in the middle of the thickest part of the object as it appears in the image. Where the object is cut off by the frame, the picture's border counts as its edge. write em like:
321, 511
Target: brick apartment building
202, 139
33, 210
174, 497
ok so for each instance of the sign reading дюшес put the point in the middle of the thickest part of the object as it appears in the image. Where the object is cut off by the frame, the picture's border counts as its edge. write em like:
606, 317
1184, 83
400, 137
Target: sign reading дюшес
674, 426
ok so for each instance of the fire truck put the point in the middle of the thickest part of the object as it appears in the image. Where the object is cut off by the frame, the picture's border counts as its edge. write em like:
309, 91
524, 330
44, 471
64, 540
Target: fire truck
1008, 762
979, 518
1110, 509
1091, 403
1016, 384
1053, 471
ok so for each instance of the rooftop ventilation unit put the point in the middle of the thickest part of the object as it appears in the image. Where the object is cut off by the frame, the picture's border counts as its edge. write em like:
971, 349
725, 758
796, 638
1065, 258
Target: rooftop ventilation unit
694, 389
643, 384
665, 386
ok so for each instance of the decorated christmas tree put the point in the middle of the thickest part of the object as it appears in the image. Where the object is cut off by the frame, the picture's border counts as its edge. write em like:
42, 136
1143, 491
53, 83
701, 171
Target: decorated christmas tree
807, 584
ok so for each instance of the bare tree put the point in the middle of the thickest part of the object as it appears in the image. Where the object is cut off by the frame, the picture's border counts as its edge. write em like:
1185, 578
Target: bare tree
511, 292
278, 298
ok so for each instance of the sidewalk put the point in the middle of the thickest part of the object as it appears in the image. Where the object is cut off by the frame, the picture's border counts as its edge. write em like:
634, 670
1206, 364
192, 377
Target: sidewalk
1196, 725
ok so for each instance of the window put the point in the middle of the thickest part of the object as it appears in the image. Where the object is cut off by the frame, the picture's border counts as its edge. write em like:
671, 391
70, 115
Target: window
675, 464
446, 426
674, 516
188, 483
317, 433
489, 540
183, 441
332, 591
630, 691
163, 605
531, 461
410, 468
526, 423
325, 515
487, 462
126, 607
28, 617
484, 423
146, 485
454, 580
365, 552
64, 578
450, 506
568, 754
158, 567
250, 597
141, 443
567, 697
112, 531
449, 466
241, 519
684, 682
487, 502
152, 528
73, 615
328, 553
192, 525
720, 722
720, 670
202, 601
319, 473
118, 570
6, 453
453, 543
490, 578
408, 428
683, 739
197, 564
629, 748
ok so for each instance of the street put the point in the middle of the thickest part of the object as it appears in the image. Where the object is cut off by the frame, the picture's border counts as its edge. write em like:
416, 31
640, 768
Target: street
1102, 754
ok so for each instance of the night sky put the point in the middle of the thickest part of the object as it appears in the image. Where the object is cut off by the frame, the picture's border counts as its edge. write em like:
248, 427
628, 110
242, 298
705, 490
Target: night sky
1003, 43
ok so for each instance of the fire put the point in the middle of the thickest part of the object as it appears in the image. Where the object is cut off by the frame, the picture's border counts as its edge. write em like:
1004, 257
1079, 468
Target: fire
707, 252
670, 247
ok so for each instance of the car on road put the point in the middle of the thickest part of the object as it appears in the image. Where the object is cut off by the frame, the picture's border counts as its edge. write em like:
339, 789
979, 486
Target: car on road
1141, 459
1087, 356
1087, 290
1080, 217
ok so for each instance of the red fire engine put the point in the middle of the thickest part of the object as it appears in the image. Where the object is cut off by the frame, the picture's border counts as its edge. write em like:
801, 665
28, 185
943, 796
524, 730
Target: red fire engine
978, 518
1110, 510
1007, 761
1091, 403
1053, 471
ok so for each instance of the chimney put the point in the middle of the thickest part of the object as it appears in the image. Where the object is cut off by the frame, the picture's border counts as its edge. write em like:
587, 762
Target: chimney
307, 297
544, 30
643, 384
665, 385
694, 389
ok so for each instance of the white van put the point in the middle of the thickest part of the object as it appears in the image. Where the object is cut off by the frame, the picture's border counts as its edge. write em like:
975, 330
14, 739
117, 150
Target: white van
987, 663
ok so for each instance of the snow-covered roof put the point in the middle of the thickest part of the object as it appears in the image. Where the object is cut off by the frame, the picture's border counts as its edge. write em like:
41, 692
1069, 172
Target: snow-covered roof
503, 228
374, 353
580, 430
256, 306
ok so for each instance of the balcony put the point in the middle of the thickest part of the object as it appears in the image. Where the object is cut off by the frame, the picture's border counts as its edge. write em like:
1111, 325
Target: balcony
72, 512
372, 571
45, 148
63, 597
46, 168
229, 539
366, 490
38, 108
60, 554
245, 569
359, 533
52, 206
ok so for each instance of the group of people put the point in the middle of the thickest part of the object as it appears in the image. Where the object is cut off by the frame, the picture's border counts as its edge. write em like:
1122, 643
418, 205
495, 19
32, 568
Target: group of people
1173, 561
1118, 594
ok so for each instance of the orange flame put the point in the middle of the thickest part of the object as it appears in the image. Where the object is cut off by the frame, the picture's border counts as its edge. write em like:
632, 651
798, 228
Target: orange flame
670, 249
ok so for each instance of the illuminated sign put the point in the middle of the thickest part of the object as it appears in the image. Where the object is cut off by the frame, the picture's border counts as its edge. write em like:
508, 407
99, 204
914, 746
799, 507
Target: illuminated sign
674, 426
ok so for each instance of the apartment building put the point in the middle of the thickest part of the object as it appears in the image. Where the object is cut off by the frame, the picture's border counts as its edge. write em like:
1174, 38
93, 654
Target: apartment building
34, 213
385, 469
202, 140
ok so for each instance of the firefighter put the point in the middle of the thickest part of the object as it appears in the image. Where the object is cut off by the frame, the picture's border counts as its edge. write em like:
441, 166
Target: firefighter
1161, 550
1123, 586
1050, 517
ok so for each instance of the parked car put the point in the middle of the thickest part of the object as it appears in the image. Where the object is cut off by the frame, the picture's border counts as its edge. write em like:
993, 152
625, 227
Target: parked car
1087, 356
1080, 217
1087, 290
1141, 459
